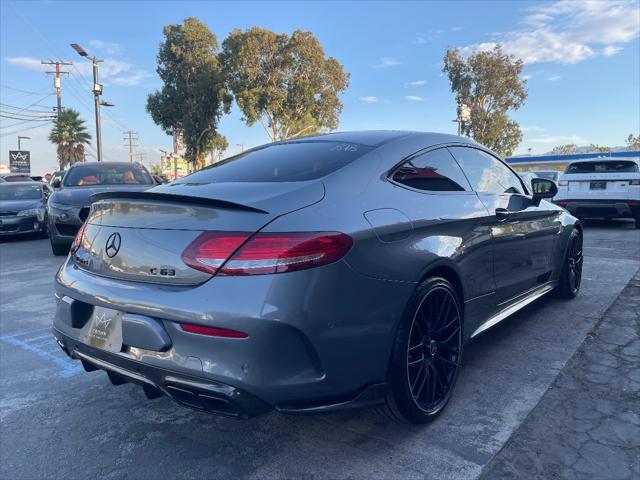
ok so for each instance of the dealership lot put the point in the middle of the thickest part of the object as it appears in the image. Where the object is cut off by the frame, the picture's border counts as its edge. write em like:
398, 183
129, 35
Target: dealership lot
58, 421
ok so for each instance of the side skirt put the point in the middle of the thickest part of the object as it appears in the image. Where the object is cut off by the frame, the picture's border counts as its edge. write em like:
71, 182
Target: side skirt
514, 307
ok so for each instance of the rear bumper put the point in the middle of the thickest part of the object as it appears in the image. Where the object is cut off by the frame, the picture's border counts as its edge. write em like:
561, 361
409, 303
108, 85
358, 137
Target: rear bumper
601, 208
318, 341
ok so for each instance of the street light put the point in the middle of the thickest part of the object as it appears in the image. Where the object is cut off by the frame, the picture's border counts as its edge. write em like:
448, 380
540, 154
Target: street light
22, 138
97, 91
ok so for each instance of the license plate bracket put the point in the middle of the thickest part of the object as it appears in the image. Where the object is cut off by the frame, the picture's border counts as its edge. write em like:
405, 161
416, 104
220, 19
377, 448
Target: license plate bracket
104, 329
598, 185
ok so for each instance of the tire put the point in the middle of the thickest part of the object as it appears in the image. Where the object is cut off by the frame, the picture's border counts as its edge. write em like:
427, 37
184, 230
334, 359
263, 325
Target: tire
427, 354
637, 220
571, 273
59, 249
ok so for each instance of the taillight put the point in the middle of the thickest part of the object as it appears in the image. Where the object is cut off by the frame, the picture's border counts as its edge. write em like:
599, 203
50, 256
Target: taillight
212, 331
285, 252
563, 203
634, 182
211, 249
264, 253
633, 203
78, 240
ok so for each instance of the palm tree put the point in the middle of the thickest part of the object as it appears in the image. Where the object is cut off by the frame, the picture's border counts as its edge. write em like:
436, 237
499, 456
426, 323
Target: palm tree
70, 135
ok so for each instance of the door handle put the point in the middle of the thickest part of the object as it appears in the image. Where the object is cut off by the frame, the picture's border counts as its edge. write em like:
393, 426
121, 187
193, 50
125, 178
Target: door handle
502, 214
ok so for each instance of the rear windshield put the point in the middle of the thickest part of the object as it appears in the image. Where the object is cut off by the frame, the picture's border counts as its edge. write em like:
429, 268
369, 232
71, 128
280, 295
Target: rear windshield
289, 162
548, 175
20, 192
622, 166
105, 174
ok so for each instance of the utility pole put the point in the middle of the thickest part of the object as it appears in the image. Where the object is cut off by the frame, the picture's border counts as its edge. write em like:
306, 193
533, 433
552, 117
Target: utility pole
130, 138
97, 91
141, 156
56, 80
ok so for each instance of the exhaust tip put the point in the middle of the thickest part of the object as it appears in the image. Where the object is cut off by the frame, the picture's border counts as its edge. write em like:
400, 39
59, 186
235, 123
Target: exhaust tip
116, 379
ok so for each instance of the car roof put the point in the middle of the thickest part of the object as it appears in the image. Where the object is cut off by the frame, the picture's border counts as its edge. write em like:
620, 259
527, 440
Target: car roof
96, 164
376, 138
606, 159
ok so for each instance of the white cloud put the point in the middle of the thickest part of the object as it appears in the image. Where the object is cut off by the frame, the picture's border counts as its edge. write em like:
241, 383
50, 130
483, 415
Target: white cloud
456, 29
527, 77
532, 128
111, 71
559, 139
414, 98
554, 78
569, 32
111, 48
27, 62
386, 62
421, 39
369, 99
417, 83
611, 50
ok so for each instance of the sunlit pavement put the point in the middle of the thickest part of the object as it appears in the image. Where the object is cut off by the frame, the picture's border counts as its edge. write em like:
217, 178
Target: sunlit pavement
58, 422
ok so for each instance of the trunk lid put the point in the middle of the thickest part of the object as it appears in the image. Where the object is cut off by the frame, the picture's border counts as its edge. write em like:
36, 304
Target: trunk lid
600, 185
141, 236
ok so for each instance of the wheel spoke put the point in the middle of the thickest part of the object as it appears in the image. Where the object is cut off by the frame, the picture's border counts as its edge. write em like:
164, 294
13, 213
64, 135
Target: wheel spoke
415, 380
447, 361
415, 362
451, 335
424, 381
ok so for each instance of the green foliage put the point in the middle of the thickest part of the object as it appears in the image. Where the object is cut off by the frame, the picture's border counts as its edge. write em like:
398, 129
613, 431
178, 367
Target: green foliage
633, 142
70, 135
285, 83
218, 146
598, 149
194, 95
567, 149
156, 169
489, 83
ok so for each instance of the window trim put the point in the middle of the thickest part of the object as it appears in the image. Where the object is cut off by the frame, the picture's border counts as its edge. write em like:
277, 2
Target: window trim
420, 153
494, 155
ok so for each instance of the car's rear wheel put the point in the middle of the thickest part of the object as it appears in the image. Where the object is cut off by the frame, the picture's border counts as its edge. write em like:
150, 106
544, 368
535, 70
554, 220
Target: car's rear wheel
427, 353
571, 273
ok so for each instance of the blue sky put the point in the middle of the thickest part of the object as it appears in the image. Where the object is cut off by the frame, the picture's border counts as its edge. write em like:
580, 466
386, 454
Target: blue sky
582, 64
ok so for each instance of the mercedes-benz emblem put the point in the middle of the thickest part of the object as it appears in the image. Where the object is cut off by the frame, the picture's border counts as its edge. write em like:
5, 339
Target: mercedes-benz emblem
113, 245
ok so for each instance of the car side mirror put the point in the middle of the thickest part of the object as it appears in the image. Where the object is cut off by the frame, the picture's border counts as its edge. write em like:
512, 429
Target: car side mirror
543, 188
56, 183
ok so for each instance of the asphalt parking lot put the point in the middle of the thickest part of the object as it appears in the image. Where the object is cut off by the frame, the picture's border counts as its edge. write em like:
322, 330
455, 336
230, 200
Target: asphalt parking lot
59, 422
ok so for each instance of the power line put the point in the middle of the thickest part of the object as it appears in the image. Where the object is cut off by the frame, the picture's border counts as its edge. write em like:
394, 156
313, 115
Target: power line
13, 107
23, 130
23, 91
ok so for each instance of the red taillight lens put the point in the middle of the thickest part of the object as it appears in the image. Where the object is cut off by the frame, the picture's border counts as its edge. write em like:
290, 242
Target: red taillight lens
212, 331
633, 203
267, 253
78, 240
234, 253
211, 249
563, 203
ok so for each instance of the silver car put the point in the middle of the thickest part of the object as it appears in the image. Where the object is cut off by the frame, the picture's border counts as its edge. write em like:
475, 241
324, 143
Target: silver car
326, 273
68, 207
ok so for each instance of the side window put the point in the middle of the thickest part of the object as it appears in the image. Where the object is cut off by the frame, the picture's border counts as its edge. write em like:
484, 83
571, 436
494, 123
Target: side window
486, 173
435, 171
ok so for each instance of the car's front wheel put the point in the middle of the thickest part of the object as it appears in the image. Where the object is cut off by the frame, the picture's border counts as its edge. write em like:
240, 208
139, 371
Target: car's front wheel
571, 273
427, 353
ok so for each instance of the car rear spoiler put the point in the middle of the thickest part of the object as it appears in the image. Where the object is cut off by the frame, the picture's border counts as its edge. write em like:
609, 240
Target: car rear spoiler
168, 197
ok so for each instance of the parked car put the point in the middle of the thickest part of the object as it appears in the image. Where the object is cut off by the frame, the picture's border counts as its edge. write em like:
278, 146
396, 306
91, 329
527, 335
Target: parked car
68, 207
603, 188
17, 177
23, 208
549, 174
331, 272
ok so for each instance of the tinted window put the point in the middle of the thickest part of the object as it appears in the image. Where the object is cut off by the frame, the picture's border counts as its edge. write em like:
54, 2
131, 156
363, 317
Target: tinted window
107, 174
434, 171
486, 173
548, 175
289, 162
20, 192
622, 166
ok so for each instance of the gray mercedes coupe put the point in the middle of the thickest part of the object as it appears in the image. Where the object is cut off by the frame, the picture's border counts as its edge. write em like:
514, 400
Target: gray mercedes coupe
325, 273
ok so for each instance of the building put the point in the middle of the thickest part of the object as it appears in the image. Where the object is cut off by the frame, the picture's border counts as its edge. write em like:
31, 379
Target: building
559, 162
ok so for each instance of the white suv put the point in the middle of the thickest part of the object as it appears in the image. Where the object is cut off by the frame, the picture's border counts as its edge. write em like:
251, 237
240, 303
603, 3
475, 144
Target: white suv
602, 187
